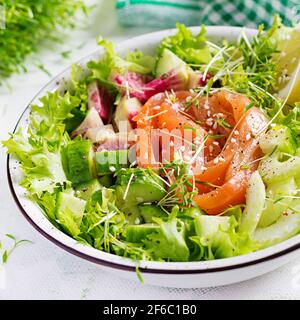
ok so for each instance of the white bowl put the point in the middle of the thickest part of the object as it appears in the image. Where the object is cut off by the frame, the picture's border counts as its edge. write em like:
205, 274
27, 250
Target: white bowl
170, 274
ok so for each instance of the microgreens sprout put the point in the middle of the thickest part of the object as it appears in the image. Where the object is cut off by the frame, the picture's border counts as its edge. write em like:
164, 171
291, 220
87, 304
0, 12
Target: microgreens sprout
7, 253
128, 186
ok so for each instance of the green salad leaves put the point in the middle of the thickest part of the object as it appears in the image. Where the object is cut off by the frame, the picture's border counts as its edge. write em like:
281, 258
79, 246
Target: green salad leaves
168, 242
192, 49
137, 212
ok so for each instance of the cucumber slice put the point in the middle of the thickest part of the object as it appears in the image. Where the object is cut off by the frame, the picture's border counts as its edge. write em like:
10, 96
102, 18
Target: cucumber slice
207, 226
78, 161
137, 233
255, 201
285, 228
279, 137
68, 200
215, 236
150, 211
87, 189
272, 170
276, 205
169, 61
108, 162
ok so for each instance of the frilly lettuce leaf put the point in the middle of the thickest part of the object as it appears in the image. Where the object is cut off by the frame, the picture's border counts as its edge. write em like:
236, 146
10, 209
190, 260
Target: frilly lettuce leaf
221, 242
38, 150
47, 201
68, 223
42, 169
102, 220
69, 211
113, 63
191, 49
168, 243
18, 145
47, 120
138, 57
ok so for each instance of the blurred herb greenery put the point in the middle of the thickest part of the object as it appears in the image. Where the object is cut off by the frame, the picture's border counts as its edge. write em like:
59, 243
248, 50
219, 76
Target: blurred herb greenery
27, 23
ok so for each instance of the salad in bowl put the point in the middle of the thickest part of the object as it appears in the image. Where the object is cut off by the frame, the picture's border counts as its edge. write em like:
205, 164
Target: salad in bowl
189, 154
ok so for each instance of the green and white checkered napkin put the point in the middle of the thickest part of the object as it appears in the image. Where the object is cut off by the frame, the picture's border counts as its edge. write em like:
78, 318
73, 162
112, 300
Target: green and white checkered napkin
165, 13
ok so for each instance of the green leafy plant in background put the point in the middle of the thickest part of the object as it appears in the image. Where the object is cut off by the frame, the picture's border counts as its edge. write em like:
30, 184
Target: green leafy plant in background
27, 23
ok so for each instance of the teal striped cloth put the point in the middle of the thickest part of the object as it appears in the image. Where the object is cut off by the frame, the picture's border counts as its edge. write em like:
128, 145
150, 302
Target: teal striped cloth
165, 13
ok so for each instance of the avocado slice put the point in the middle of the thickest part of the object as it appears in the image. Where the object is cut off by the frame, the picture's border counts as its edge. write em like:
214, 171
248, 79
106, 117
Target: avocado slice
135, 186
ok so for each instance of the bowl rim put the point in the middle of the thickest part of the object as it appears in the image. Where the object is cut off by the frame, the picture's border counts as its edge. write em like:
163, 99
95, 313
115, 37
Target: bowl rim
126, 264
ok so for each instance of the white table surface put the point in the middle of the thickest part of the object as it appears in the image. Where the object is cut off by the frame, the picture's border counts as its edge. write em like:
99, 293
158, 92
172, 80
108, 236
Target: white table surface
42, 270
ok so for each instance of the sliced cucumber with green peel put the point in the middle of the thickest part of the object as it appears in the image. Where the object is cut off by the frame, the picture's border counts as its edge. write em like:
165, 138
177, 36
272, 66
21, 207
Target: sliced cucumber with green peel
255, 201
78, 161
137, 233
285, 228
280, 138
87, 189
277, 200
107, 162
151, 211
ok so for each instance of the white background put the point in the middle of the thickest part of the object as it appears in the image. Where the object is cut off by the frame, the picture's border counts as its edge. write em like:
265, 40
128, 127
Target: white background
43, 271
